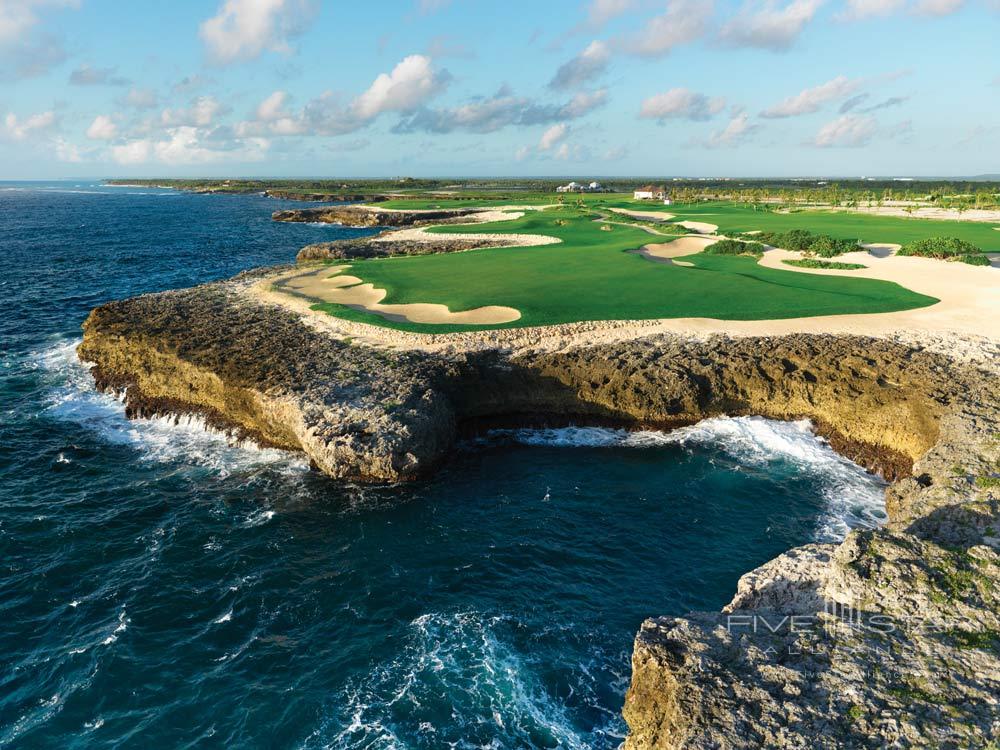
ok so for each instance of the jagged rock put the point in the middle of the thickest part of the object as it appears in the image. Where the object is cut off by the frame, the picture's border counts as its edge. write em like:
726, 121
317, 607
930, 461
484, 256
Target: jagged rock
890, 639
384, 248
364, 216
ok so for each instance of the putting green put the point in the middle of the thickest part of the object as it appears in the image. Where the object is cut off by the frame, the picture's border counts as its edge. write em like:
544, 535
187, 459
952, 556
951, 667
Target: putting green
591, 275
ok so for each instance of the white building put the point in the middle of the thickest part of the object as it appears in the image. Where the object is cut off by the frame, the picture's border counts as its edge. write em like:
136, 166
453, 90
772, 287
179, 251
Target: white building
650, 192
576, 187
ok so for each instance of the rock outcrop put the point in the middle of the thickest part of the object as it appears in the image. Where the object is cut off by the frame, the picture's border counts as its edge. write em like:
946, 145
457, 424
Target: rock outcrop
891, 637
377, 247
366, 216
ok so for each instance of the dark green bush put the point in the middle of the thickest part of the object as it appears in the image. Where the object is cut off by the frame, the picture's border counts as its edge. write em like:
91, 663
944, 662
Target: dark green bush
975, 259
806, 242
827, 264
735, 247
942, 248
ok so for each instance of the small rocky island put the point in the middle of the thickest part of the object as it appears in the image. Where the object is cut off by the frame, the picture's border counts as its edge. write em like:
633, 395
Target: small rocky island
890, 639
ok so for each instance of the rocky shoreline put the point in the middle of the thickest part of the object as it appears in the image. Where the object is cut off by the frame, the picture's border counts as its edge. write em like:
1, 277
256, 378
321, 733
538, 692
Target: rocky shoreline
366, 216
932, 425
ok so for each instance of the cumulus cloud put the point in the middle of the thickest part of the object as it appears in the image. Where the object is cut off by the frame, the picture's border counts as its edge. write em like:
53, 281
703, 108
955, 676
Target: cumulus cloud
937, 7
103, 128
499, 111
189, 145
600, 12
681, 103
202, 113
552, 136
404, 90
25, 49
846, 131
86, 75
856, 10
683, 22
736, 131
768, 24
20, 130
67, 152
810, 100
585, 67
244, 29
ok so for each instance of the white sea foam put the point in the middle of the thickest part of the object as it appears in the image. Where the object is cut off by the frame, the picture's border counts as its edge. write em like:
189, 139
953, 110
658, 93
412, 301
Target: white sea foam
854, 498
456, 670
73, 397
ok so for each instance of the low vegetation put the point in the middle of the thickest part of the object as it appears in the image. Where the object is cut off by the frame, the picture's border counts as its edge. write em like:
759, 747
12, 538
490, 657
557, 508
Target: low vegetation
736, 247
829, 265
806, 242
946, 248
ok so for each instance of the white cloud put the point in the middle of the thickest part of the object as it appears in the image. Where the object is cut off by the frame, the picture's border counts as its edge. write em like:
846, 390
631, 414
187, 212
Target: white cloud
273, 107
552, 136
768, 24
856, 10
683, 22
201, 113
615, 153
937, 7
599, 12
102, 128
133, 152
522, 153
584, 102
586, 66
67, 152
735, 132
681, 103
410, 83
19, 17
140, 98
189, 145
846, 130
87, 75
20, 130
244, 29
810, 100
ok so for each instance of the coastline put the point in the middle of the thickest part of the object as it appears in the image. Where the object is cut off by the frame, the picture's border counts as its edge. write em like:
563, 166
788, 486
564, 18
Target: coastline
366, 411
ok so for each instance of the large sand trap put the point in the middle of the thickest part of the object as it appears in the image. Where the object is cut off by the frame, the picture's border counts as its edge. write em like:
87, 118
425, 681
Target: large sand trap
988, 215
667, 251
699, 226
329, 284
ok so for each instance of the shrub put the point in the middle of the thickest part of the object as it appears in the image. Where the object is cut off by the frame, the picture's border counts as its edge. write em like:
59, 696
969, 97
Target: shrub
803, 241
826, 264
735, 247
975, 259
942, 248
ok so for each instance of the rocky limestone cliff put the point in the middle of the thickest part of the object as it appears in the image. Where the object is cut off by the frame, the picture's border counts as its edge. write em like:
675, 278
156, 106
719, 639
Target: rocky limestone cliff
817, 650
379, 247
365, 216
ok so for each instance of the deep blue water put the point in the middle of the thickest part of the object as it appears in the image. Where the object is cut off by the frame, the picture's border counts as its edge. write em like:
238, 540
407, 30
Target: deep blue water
161, 588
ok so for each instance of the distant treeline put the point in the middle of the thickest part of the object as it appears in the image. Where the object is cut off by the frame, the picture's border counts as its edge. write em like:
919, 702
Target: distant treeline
948, 193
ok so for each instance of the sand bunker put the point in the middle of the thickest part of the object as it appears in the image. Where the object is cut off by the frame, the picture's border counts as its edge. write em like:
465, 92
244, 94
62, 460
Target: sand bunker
420, 234
329, 284
665, 252
698, 226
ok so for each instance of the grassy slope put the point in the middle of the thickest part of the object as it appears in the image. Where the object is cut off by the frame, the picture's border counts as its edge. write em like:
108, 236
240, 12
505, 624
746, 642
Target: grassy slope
590, 276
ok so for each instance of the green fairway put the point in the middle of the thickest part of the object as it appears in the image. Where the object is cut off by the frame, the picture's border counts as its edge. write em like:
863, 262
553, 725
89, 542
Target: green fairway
591, 276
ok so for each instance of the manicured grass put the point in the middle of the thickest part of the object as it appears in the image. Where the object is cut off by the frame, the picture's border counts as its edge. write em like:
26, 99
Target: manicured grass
591, 276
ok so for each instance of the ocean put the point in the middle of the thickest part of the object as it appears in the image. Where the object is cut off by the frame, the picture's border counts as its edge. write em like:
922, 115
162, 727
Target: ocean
161, 587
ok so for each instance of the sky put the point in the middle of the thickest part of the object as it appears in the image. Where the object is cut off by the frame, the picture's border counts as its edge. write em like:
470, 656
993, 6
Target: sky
451, 88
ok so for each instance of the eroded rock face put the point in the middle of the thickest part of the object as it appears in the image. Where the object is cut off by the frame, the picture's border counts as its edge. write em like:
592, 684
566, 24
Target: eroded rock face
360, 216
891, 637
384, 248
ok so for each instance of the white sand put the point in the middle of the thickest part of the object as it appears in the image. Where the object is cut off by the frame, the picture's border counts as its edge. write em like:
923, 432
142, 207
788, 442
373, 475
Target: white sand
701, 227
991, 216
329, 284
667, 251
420, 234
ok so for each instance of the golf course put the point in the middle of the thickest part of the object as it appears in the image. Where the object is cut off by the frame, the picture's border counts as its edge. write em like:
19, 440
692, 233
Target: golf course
595, 272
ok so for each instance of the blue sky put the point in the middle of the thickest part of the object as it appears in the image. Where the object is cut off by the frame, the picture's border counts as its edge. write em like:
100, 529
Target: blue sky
469, 87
